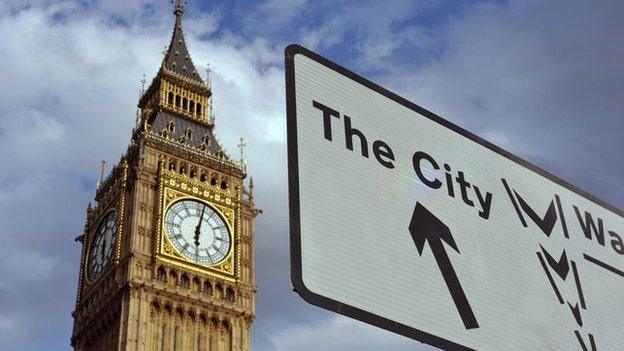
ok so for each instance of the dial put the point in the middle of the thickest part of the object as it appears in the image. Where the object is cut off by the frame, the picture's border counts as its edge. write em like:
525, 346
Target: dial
102, 246
197, 231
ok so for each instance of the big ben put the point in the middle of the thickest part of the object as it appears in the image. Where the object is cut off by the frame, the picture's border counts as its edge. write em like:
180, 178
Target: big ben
167, 250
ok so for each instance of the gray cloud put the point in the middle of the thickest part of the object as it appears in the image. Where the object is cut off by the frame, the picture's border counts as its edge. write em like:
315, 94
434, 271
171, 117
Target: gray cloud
540, 78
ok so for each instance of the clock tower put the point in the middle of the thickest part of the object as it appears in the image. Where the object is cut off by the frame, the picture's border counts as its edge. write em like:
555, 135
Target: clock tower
167, 250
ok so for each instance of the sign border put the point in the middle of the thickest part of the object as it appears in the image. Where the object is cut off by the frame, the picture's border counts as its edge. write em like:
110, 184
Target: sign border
293, 195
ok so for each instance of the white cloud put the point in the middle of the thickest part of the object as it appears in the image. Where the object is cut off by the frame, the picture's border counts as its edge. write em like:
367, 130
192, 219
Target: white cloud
10, 330
373, 26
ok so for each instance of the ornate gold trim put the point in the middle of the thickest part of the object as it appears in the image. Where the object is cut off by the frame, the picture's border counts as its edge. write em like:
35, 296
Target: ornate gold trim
121, 214
171, 198
119, 208
90, 245
172, 188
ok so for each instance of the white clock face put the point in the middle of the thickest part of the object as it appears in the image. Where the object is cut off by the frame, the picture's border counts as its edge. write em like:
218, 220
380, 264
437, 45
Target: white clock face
102, 246
197, 231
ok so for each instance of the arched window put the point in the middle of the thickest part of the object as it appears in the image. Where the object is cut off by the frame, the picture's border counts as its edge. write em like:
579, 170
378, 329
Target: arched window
170, 98
171, 127
191, 106
206, 140
189, 134
196, 284
178, 101
224, 184
229, 294
161, 274
174, 277
184, 103
162, 337
199, 109
207, 288
184, 281
202, 177
183, 168
172, 165
213, 181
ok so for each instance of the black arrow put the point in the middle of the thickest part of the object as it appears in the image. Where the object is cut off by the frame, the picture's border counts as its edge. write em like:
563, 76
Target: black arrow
425, 226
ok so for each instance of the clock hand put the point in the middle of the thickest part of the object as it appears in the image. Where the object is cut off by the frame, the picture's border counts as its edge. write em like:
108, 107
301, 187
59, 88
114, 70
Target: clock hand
198, 227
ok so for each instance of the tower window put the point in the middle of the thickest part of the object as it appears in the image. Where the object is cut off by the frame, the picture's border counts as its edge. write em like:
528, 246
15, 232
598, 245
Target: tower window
199, 109
189, 134
178, 101
184, 104
191, 106
206, 139
207, 288
224, 185
171, 127
170, 98
229, 294
174, 277
202, 177
196, 284
184, 281
160, 274
175, 338
162, 337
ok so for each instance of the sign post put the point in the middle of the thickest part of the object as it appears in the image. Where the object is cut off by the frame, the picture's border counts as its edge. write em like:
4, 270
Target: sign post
404, 220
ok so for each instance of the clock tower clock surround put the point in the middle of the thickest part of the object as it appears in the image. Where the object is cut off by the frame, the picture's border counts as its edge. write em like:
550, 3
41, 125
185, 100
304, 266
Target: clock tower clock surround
167, 251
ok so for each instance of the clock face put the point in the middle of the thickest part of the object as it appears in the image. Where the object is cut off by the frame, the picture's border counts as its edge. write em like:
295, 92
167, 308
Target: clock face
102, 246
197, 231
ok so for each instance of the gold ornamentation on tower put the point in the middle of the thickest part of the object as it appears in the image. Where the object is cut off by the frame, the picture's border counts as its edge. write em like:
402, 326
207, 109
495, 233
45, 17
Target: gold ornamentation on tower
167, 256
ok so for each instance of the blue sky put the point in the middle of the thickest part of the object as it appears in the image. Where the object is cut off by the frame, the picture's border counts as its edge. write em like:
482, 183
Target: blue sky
542, 79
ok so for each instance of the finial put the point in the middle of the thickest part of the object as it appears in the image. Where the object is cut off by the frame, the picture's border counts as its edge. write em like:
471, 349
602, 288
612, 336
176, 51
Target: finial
208, 75
178, 9
211, 115
241, 146
143, 81
251, 189
101, 174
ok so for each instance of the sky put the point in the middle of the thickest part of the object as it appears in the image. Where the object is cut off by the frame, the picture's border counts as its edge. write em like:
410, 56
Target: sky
542, 79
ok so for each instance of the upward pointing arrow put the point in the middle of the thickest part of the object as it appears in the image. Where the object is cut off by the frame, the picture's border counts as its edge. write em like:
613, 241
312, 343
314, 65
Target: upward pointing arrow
426, 227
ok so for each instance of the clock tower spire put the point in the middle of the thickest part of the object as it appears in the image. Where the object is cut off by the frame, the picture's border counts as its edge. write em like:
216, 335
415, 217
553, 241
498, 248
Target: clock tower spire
167, 258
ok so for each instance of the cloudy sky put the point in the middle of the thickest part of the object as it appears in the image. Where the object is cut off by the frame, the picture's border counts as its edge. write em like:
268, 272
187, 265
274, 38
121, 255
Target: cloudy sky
543, 79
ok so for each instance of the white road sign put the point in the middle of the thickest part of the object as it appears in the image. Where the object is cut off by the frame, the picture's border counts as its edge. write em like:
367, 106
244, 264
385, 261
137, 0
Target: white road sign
408, 222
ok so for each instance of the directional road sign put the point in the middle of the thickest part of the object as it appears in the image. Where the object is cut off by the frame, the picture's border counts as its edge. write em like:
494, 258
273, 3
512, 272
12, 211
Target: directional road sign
404, 220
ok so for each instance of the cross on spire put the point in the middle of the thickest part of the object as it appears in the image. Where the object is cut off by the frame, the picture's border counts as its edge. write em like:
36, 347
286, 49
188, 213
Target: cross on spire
178, 9
241, 146
143, 81
102, 168
208, 75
